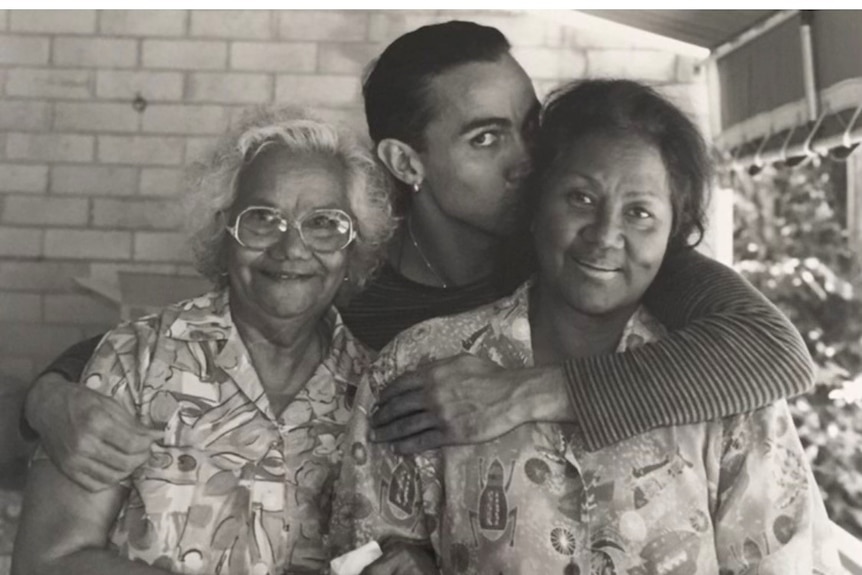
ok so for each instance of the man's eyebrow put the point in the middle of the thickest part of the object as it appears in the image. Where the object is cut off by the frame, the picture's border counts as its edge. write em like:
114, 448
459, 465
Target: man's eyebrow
488, 122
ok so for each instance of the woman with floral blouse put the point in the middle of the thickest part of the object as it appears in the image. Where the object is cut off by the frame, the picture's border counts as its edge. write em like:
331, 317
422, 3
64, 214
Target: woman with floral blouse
621, 183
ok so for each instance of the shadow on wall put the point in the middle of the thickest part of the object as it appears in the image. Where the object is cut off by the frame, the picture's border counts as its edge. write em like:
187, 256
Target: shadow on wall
13, 466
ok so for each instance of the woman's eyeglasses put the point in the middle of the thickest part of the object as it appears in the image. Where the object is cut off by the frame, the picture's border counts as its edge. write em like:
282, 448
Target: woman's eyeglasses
323, 231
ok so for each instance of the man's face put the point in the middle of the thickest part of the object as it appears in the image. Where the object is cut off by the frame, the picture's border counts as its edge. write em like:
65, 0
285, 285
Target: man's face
476, 152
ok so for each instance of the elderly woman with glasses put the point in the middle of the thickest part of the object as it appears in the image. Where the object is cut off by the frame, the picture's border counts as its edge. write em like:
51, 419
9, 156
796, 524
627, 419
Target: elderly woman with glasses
248, 388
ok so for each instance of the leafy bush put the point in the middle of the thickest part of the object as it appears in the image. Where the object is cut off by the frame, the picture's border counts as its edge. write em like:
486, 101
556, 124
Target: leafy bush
790, 241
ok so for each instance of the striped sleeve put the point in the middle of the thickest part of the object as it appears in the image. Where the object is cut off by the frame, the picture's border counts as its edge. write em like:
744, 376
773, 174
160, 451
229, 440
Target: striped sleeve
730, 351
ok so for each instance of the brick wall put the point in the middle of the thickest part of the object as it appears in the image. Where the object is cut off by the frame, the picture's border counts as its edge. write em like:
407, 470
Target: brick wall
88, 184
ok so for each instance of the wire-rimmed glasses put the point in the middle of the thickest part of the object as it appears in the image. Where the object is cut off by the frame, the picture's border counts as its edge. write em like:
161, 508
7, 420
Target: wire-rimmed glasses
321, 230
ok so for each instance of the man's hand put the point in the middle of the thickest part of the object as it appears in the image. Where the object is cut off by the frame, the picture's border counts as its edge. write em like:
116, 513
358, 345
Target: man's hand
464, 399
88, 436
403, 559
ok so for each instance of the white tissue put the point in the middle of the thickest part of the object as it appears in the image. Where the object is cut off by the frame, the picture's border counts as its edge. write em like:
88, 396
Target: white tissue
353, 562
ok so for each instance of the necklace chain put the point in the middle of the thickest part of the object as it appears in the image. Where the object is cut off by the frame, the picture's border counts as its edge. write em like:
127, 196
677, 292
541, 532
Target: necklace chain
422, 254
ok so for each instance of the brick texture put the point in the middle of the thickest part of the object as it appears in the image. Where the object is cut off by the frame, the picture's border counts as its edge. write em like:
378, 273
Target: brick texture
345, 26
256, 24
23, 178
230, 88
125, 85
20, 242
143, 22
335, 91
94, 180
101, 117
96, 52
50, 147
43, 210
185, 119
80, 309
42, 276
87, 244
161, 182
184, 54
25, 115
136, 215
49, 83
140, 150
24, 50
20, 307
161, 247
53, 21
267, 56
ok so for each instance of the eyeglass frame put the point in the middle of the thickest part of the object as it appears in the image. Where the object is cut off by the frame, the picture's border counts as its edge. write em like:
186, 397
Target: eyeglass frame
296, 224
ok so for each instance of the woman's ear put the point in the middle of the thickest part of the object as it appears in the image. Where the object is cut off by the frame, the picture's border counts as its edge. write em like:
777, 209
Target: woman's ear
401, 160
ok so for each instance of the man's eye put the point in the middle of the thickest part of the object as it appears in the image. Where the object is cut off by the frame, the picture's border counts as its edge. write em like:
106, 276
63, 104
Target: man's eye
485, 139
578, 197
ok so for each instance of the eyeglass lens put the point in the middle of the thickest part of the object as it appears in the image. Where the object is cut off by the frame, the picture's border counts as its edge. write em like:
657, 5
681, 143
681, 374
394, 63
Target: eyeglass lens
321, 230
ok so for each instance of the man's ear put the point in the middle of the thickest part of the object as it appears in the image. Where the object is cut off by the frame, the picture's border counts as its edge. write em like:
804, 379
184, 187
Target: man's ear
401, 160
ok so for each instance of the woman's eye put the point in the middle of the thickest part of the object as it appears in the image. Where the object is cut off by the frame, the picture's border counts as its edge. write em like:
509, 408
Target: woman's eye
640, 213
485, 139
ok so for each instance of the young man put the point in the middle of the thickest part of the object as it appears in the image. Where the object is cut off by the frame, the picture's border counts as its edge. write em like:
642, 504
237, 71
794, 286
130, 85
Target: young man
451, 114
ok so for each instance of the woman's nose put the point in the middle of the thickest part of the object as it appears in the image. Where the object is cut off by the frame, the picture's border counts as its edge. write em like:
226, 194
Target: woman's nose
605, 231
290, 245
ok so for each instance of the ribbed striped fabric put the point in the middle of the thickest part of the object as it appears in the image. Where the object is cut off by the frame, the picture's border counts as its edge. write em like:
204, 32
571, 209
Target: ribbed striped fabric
731, 350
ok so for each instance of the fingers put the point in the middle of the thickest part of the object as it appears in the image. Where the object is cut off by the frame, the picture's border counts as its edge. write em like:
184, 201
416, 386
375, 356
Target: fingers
398, 407
404, 427
431, 439
405, 383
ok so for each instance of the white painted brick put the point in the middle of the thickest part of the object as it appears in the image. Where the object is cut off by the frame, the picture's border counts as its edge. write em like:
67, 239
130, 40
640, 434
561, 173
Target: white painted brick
346, 57
20, 307
521, 29
136, 214
45, 83
230, 88
96, 117
96, 52
45, 211
324, 91
385, 26
184, 54
232, 23
23, 178
346, 25
143, 22
20, 241
56, 21
545, 87
41, 276
551, 63
168, 119
283, 57
93, 180
163, 182
352, 118
24, 115
645, 65
36, 339
24, 50
140, 150
4, 19
87, 244
23, 369
199, 148
151, 85
50, 147
161, 247
80, 309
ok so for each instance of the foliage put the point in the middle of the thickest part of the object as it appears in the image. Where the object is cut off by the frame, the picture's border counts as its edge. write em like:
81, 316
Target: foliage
790, 241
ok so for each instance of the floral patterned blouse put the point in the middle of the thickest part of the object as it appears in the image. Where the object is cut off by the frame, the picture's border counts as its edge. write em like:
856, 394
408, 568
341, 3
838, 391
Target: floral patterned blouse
734, 495
231, 488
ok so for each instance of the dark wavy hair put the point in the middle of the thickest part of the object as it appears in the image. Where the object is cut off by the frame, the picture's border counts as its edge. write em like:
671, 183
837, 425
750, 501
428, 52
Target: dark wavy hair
586, 107
395, 87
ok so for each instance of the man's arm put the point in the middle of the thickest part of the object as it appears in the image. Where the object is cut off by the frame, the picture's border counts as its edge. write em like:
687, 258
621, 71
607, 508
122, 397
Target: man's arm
732, 351
64, 528
87, 435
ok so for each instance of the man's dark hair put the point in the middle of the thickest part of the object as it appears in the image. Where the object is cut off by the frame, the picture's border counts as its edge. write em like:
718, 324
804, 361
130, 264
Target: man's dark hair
587, 107
395, 88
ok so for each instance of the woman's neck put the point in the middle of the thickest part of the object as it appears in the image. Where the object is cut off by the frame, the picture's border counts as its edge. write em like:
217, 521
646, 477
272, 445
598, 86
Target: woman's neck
436, 250
284, 353
560, 332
